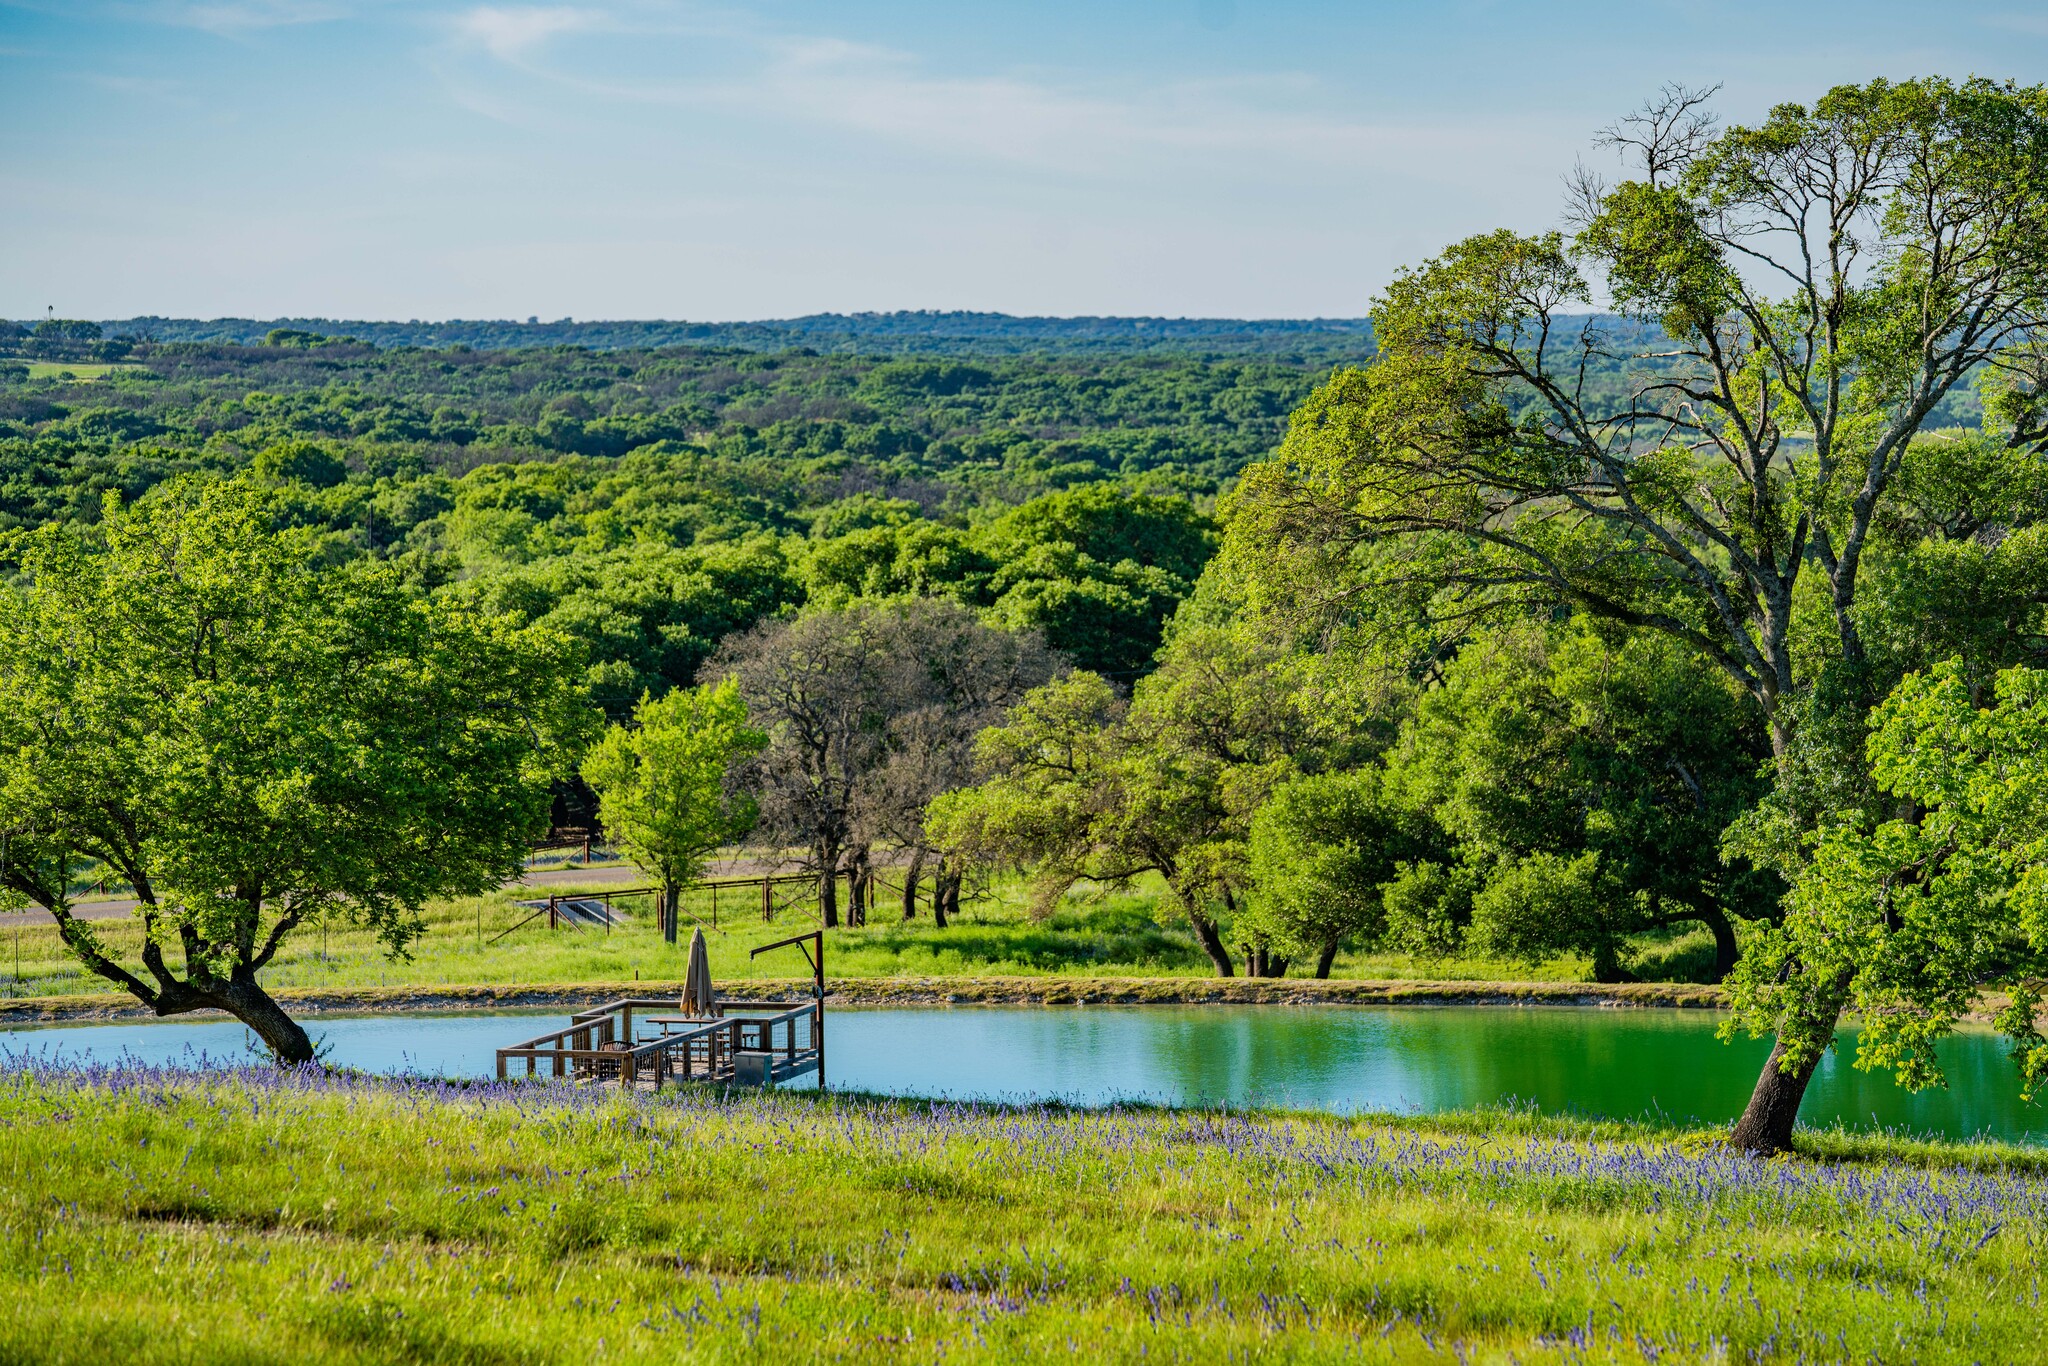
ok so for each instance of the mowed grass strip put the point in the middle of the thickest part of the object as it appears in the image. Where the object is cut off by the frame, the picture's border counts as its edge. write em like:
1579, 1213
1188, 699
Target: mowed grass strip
159, 1216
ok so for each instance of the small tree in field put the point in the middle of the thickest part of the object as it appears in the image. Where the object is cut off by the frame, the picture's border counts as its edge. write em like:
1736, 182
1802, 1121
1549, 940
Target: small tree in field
661, 783
1322, 850
252, 741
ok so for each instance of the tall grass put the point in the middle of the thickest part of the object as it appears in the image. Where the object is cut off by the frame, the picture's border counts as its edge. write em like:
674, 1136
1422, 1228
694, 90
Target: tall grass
152, 1215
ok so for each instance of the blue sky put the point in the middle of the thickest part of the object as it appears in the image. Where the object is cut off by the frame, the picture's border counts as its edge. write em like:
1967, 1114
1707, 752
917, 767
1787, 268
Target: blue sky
658, 158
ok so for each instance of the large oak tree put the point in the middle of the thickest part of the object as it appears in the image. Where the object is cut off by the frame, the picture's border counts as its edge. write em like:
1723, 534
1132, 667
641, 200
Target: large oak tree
1822, 281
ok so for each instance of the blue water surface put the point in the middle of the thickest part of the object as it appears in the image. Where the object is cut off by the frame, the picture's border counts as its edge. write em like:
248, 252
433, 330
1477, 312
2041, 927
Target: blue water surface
1622, 1063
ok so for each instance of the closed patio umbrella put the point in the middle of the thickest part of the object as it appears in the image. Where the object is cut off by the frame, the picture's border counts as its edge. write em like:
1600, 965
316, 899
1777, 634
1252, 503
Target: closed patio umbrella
700, 1002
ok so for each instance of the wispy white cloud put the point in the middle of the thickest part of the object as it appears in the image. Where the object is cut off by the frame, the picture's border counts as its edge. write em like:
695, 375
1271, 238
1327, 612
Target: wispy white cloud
1035, 120
513, 33
1016, 118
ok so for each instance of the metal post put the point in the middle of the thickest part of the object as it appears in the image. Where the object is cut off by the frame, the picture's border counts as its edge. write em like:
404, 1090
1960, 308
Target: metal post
714, 905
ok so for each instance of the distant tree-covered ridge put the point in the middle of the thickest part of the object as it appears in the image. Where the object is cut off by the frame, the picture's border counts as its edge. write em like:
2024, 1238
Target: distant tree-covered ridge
908, 332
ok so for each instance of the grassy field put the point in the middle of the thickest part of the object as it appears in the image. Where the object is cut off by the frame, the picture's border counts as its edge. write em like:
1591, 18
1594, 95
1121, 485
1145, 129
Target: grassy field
154, 1216
68, 369
1093, 934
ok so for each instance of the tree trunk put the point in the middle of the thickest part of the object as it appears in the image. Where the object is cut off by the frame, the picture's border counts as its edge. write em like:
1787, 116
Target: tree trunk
911, 875
860, 887
1255, 961
946, 900
1725, 951
239, 995
1607, 964
1327, 957
1211, 940
1275, 967
289, 1045
672, 904
1766, 1125
828, 897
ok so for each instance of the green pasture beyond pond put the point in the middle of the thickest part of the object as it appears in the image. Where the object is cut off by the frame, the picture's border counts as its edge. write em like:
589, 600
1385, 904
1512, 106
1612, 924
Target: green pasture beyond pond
165, 1217
1094, 933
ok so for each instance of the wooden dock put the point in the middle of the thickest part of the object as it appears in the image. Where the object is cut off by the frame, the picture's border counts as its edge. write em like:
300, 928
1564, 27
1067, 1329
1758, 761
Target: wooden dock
752, 1043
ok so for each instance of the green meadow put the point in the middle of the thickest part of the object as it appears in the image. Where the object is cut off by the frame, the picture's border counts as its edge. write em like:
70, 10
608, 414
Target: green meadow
269, 1217
1095, 932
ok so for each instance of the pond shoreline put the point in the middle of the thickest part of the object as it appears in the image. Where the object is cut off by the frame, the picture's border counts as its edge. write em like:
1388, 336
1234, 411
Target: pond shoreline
907, 991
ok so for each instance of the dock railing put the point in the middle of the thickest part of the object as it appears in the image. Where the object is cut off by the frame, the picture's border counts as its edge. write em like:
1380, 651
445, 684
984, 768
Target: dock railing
753, 1042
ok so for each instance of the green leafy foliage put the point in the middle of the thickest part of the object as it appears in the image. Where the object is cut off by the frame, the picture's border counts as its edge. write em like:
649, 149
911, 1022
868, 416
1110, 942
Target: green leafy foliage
1322, 849
1909, 920
1594, 772
1080, 783
256, 743
1765, 490
663, 783
651, 502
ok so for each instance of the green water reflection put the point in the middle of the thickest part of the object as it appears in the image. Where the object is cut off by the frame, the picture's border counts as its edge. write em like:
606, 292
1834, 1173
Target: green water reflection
1620, 1063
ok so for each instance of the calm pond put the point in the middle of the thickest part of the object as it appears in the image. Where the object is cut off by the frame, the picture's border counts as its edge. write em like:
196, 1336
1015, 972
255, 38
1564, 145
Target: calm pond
1347, 1058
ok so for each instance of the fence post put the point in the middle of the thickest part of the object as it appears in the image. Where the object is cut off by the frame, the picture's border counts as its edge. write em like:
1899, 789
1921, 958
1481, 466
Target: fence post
767, 903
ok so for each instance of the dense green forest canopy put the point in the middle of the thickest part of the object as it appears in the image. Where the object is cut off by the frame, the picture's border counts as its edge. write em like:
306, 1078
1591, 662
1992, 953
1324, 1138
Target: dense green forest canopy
947, 434
651, 501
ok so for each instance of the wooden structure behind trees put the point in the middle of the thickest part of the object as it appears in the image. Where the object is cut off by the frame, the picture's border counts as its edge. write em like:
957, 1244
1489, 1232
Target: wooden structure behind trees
575, 910
746, 890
